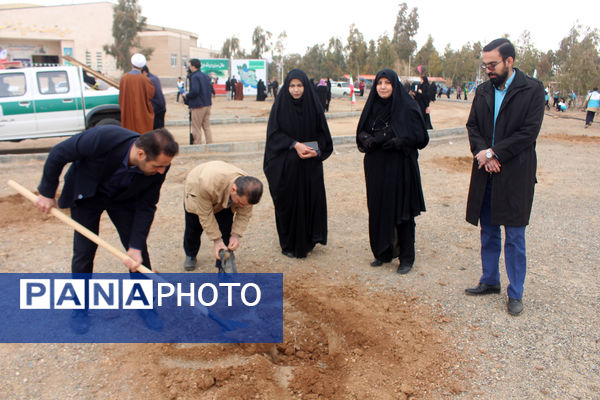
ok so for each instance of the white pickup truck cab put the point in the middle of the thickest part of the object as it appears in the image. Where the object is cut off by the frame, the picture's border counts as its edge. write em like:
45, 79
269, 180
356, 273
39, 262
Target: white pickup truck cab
38, 102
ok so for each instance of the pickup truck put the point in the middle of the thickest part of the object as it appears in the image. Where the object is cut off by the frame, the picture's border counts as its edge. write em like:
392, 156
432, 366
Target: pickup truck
39, 102
340, 89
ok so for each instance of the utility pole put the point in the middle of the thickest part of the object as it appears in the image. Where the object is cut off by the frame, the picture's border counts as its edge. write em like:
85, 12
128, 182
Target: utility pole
281, 69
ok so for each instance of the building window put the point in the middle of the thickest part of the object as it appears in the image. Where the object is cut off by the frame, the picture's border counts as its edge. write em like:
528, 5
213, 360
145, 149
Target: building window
99, 61
88, 58
184, 60
173, 60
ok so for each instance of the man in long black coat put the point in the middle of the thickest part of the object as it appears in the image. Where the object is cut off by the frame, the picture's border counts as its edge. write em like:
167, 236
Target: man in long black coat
505, 119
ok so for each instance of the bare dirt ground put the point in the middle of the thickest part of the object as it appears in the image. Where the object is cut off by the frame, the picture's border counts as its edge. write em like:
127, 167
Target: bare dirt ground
351, 331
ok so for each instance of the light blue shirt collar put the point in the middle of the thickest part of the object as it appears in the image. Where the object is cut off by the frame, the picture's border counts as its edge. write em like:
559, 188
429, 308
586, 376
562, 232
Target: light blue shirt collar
508, 82
499, 97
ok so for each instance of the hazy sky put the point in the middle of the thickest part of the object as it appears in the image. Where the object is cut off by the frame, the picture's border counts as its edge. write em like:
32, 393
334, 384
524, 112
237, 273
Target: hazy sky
310, 22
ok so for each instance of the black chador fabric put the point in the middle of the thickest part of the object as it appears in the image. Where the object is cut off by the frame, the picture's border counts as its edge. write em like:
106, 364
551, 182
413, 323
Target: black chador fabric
296, 185
389, 132
322, 92
261, 91
423, 101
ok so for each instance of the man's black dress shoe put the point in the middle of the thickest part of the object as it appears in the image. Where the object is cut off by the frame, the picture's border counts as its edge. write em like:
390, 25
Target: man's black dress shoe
482, 288
376, 263
190, 263
514, 306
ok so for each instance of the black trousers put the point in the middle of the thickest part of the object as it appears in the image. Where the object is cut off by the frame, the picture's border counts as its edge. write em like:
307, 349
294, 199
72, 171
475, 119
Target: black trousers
88, 212
405, 249
589, 117
406, 241
193, 231
159, 120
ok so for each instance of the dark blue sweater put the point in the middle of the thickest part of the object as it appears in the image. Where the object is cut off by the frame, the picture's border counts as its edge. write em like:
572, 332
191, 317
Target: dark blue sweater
200, 90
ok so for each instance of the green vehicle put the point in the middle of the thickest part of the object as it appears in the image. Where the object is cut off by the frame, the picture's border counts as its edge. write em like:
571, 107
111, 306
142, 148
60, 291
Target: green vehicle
40, 102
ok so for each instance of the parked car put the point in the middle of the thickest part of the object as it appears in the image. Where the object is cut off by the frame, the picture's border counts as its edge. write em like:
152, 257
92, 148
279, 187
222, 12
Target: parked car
38, 102
340, 88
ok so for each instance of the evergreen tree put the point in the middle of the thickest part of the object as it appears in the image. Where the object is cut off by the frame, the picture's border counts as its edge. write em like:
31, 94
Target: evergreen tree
277, 53
231, 48
127, 22
405, 29
356, 51
528, 56
386, 54
429, 58
260, 41
578, 61
336, 62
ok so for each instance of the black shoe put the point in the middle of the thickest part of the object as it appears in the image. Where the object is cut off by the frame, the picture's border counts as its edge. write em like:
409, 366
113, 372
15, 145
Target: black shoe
190, 263
376, 263
151, 319
514, 306
288, 254
482, 288
79, 322
404, 268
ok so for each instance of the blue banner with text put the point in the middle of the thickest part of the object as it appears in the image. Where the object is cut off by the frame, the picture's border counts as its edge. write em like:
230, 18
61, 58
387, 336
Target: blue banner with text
137, 308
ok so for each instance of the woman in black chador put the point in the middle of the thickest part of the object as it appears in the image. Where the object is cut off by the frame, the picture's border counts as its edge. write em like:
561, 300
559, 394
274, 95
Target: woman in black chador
322, 92
423, 99
390, 131
298, 141
261, 91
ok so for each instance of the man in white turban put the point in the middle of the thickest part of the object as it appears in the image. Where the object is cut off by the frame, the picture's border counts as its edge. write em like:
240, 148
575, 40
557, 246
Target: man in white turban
135, 93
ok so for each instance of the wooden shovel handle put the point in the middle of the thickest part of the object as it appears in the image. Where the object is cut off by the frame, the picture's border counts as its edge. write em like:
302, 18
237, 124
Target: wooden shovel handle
78, 227
224, 323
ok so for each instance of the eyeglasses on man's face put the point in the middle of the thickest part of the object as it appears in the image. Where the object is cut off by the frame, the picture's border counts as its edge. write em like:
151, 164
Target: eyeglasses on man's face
491, 65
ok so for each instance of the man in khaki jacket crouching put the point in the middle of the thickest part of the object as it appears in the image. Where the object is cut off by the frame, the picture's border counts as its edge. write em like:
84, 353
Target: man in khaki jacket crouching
218, 200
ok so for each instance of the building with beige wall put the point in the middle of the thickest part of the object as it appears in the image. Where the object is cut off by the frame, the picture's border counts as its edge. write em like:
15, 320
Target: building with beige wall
81, 30
172, 50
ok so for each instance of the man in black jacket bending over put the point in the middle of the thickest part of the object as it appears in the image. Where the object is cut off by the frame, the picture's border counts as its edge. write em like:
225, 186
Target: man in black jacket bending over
114, 170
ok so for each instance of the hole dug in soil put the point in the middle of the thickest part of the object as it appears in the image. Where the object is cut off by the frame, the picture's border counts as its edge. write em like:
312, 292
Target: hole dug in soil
340, 342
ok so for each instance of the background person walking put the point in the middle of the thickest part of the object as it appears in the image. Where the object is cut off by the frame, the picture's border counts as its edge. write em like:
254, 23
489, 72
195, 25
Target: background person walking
180, 88
593, 105
200, 100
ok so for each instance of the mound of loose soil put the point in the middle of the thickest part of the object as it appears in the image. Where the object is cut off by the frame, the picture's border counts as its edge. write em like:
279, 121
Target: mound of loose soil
454, 164
340, 342
16, 209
